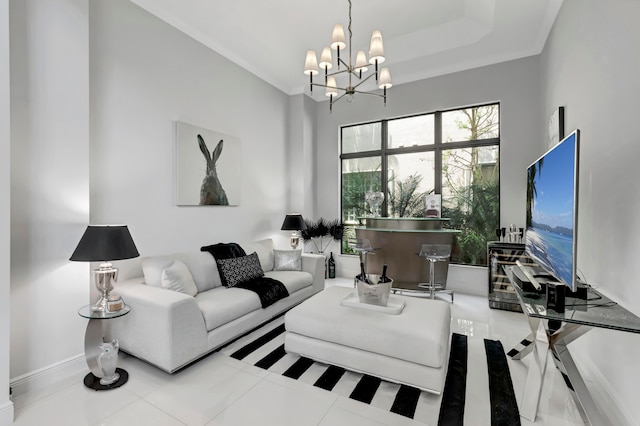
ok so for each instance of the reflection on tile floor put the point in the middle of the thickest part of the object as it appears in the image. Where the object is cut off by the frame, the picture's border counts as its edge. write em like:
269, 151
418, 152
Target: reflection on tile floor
222, 391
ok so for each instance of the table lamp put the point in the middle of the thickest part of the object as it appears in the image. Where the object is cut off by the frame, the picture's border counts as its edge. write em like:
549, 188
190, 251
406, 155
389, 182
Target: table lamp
104, 243
293, 222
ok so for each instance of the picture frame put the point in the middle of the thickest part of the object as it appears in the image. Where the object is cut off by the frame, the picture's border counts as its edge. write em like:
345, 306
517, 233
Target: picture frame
556, 127
208, 167
433, 205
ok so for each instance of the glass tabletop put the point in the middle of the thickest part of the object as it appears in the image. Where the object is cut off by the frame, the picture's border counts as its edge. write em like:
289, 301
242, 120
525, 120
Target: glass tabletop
596, 311
86, 312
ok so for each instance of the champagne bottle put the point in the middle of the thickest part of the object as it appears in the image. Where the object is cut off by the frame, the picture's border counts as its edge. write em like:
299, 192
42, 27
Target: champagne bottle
332, 266
363, 276
384, 278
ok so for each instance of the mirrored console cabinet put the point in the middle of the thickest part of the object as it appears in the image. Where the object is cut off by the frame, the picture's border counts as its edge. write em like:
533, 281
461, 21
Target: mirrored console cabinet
501, 292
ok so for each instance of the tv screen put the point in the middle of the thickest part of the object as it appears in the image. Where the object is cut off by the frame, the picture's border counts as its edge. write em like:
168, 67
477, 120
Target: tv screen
552, 210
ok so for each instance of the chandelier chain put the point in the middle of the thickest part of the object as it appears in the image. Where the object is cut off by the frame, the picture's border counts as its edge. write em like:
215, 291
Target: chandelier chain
350, 35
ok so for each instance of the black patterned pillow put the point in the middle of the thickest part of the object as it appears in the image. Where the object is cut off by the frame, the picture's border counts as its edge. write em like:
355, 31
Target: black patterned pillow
239, 269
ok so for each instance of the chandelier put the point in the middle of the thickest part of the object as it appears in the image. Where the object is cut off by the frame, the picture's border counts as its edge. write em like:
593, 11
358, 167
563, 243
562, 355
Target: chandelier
356, 73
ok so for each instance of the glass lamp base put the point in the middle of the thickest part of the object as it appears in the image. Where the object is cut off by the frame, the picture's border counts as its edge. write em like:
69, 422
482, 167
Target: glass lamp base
93, 382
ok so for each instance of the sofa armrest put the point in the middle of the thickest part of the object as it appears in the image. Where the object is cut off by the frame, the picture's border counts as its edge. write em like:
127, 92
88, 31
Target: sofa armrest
314, 264
164, 327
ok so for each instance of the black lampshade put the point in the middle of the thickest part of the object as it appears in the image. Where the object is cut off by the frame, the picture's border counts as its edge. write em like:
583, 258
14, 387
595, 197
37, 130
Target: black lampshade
293, 222
105, 243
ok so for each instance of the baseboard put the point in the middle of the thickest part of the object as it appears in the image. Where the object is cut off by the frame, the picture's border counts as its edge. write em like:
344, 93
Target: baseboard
49, 375
602, 392
6, 414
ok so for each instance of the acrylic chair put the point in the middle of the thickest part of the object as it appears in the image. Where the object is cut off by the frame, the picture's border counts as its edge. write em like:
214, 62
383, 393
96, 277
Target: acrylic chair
435, 253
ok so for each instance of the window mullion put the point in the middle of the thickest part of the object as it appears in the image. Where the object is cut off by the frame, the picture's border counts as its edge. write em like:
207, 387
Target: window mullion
437, 138
384, 128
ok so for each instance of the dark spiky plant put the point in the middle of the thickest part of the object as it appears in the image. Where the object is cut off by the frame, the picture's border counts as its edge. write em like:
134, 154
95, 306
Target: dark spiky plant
322, 232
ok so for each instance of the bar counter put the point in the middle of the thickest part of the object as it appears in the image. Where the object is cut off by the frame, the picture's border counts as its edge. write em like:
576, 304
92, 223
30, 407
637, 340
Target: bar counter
398, 241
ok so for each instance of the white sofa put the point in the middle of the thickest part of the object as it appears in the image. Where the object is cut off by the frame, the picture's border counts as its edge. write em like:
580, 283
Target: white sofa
170, 329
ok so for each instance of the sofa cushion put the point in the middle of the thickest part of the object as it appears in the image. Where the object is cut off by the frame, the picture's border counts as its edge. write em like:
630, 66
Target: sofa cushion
287, 260
178, 278
292, 280
264, 249
222, 305
239, 269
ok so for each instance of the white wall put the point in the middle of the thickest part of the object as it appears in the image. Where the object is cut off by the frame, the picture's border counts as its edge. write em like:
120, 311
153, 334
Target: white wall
6, 406
591, 65
49, 180
144, 76
515, 84
141, 75
300, 159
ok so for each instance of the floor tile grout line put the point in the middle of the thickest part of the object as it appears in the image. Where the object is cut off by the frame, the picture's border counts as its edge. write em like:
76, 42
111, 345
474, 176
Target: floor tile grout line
235, 401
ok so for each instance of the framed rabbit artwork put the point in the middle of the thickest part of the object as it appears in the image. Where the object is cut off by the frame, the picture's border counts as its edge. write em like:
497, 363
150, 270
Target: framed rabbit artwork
208, 167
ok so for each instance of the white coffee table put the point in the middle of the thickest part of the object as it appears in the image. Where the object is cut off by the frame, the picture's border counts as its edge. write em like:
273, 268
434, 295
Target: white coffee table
411, 347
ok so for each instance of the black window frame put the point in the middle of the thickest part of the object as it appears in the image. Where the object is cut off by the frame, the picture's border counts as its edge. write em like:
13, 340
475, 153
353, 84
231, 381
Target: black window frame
438, 147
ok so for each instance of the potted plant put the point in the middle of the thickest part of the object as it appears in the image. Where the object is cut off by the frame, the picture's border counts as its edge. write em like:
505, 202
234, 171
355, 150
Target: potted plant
321, 233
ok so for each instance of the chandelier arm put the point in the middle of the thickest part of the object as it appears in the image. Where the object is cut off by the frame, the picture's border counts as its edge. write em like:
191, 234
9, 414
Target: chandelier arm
337, 72
347, 66
339, 97
368, 93
354, 72
345, 90
365, 79
325, 86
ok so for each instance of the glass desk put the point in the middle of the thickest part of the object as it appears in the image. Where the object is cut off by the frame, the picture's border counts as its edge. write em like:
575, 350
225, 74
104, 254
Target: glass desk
552, 331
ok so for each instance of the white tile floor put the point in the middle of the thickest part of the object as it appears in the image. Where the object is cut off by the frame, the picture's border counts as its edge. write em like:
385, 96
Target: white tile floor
222, 391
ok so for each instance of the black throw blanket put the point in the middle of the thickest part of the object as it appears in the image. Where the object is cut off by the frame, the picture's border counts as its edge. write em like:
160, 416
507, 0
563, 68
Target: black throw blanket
224, 250
268, 290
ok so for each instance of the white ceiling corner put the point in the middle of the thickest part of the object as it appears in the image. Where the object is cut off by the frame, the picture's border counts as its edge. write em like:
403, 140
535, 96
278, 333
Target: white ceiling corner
423, 38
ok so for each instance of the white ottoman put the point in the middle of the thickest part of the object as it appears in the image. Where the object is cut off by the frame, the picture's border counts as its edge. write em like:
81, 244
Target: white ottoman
410, 348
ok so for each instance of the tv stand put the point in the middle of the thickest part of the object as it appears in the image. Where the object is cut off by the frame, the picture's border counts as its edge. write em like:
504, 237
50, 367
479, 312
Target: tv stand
561, 328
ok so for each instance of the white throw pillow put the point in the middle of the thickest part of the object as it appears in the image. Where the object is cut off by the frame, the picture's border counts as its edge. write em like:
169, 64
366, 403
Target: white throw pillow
152, 268
178, 278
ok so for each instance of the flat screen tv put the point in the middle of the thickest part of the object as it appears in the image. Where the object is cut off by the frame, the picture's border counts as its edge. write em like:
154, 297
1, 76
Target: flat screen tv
552, 211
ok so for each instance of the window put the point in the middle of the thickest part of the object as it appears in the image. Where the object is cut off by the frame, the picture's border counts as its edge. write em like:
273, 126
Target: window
454, 153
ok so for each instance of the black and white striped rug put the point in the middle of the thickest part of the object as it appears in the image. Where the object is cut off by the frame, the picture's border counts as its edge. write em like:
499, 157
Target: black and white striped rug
470, 396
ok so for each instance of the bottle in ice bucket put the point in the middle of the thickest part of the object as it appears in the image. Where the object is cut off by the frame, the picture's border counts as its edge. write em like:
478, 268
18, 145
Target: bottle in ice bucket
384, 278
363, 276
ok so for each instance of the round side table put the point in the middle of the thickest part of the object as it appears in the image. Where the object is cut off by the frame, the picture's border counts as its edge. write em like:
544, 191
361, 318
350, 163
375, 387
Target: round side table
97, 329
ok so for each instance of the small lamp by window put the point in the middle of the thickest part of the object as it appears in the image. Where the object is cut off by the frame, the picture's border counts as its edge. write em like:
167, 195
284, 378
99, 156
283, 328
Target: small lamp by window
104, 244
293, 222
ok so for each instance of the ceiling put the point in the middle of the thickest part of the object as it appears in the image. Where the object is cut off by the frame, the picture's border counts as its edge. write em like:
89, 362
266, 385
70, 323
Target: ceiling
422, 38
